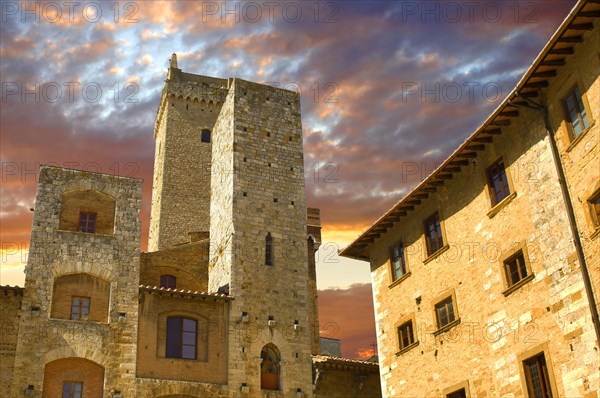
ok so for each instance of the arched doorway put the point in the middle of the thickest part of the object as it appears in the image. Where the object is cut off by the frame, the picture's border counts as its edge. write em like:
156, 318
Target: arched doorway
270, 369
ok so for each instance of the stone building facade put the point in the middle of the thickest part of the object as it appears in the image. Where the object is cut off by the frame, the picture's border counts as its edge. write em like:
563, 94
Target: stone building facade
479, 287
225, 302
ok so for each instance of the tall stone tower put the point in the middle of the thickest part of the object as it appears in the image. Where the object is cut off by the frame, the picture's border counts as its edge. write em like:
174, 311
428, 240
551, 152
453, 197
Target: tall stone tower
183, 132
258, 234
245, 186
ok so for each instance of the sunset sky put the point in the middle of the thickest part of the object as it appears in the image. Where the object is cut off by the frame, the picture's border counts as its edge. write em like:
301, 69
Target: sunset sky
388, 90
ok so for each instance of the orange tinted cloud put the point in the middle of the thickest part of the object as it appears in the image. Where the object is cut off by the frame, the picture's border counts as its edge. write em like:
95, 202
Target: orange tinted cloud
347, 314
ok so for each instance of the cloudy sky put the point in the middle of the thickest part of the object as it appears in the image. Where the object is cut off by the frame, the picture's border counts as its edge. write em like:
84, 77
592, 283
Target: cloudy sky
388, 90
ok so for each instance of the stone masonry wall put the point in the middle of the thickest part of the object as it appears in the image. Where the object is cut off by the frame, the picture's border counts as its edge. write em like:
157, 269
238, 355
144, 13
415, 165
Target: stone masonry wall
496, 329
259, 154
581, 157
181, 191
54, 253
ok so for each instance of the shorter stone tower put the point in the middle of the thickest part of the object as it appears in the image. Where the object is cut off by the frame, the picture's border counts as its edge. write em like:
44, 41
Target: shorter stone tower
188, 110
79, 317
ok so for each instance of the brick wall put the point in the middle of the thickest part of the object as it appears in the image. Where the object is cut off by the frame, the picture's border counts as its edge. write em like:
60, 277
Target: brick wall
90, 374
188, 263
89, 201
211, 315
80, 285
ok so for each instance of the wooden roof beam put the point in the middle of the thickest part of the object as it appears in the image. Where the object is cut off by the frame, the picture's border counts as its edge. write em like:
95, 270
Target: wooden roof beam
509, 113
572, 39
553, 62
483, 139
528, 94
581, 26
476, 147
540, 84
589, 14
469, 155
451, 169
460, 162
566, 50
546, 73
445, 176
504, 122
493, 131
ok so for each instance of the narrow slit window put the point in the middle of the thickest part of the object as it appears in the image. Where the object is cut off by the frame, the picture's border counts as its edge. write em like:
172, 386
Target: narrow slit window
269, 249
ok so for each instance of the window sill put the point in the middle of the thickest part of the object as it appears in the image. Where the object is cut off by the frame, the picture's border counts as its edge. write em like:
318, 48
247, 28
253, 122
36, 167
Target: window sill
517, 285
87, 233
399, 280
407, 348
503, 203
436, 254
449, 326
577, 139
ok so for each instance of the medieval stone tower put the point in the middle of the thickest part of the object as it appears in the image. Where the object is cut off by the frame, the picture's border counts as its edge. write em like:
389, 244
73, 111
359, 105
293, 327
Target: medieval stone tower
229, 165
181, 192
79, 315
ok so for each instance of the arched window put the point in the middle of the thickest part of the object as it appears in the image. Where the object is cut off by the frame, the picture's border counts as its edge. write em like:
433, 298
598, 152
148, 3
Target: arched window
205, 136
269, 368
167, 281
269, 249
181, 338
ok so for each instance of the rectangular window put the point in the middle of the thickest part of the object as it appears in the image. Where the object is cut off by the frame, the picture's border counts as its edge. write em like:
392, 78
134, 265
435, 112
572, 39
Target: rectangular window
80, 308
87, 222
536, 377
181, 338
498, 182
205, 136
457, 394
406, 335
444, 312
576, 114
398, 261
72, 389
515, 268
433, 234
